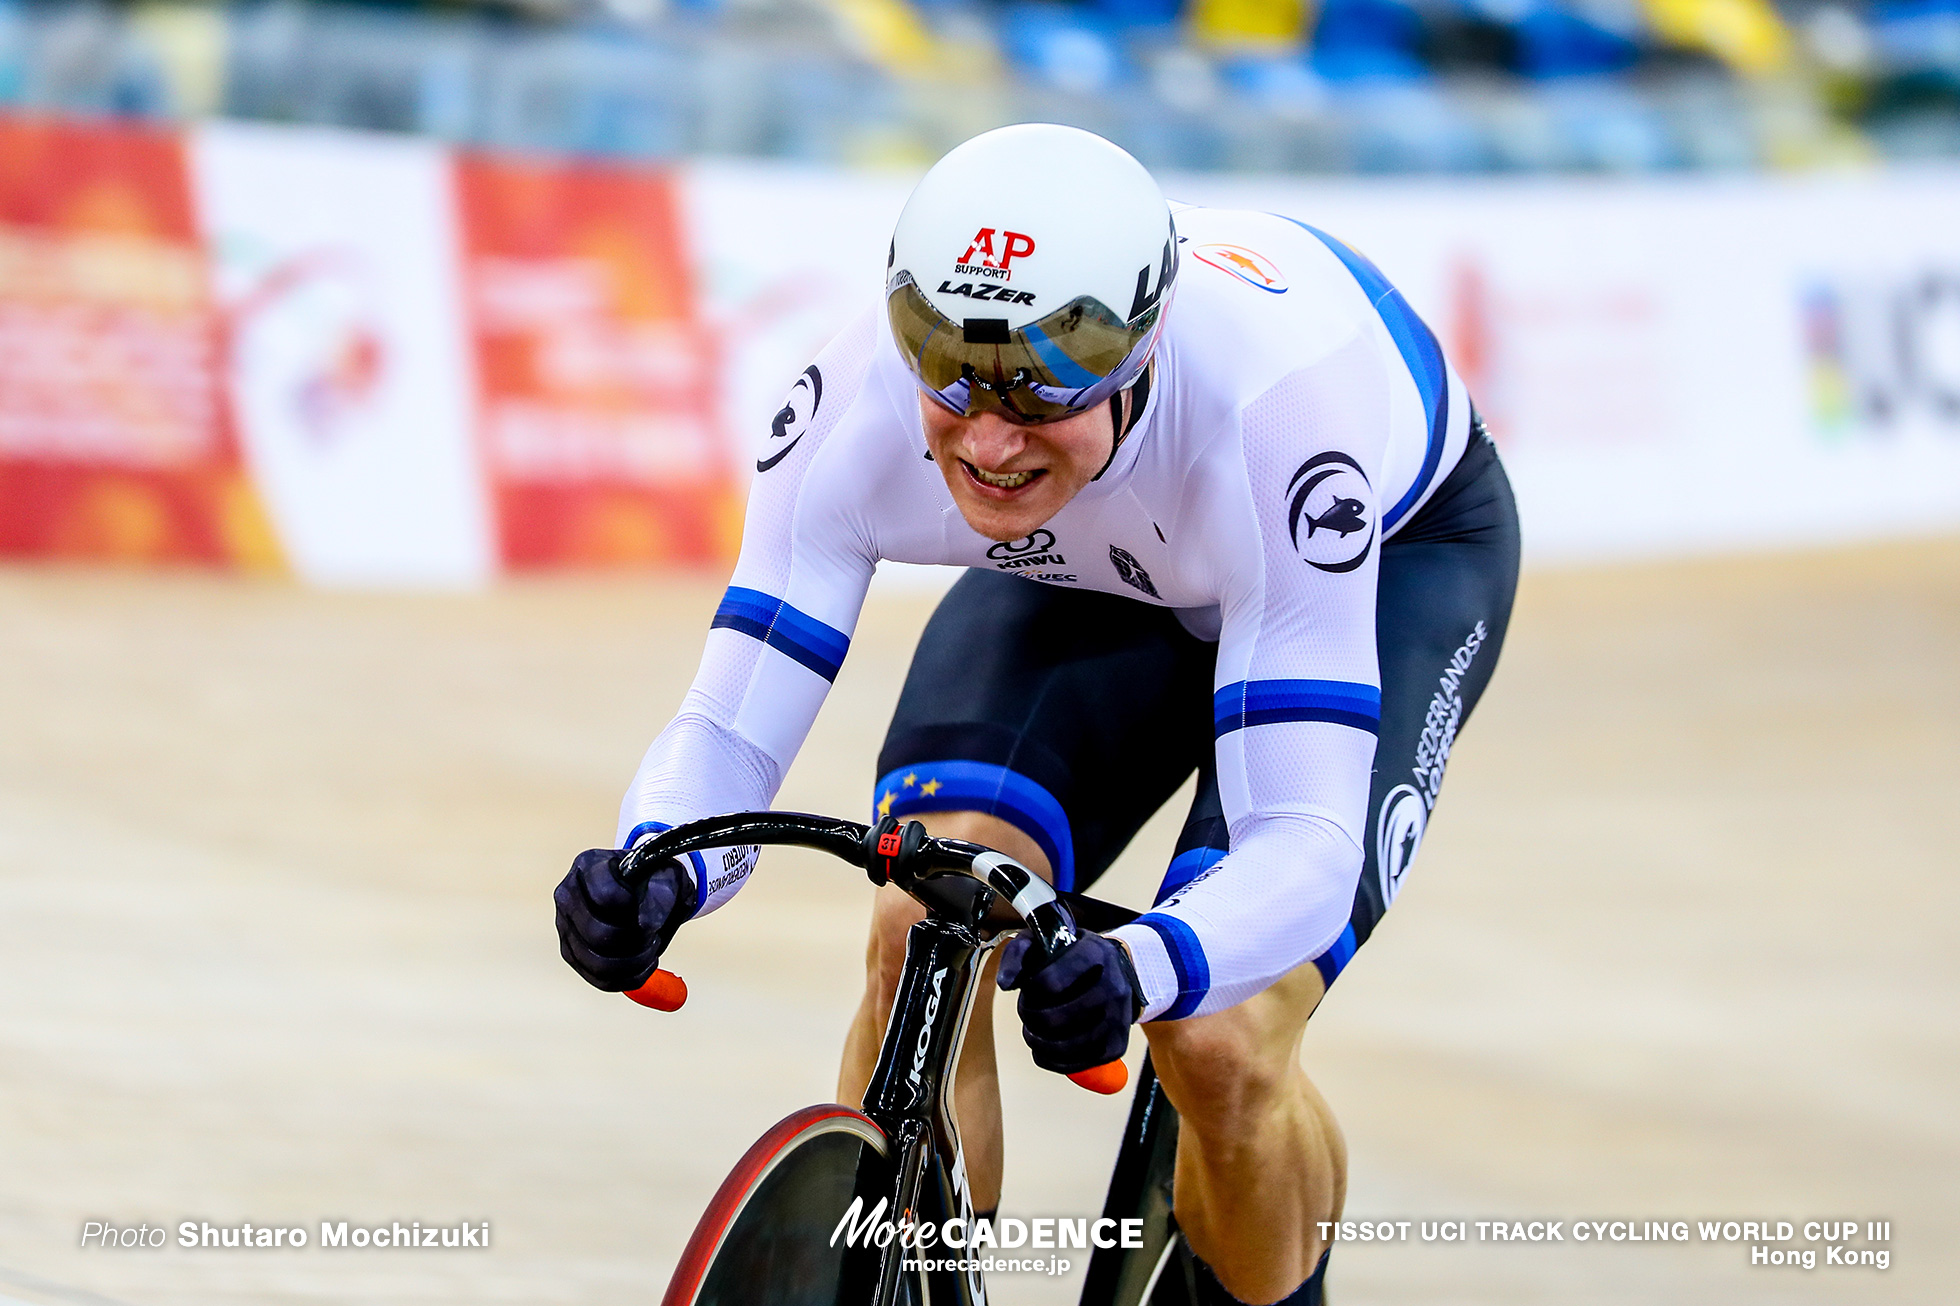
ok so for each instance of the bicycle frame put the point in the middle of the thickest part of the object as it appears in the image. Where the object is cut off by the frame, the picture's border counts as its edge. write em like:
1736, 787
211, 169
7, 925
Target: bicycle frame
972, 896
910, 1097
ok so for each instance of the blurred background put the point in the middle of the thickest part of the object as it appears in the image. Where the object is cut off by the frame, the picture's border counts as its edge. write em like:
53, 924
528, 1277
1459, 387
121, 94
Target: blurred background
1451, 86
378, 386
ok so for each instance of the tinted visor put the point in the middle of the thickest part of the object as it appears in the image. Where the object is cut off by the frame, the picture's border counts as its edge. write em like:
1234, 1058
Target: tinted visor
1060, 365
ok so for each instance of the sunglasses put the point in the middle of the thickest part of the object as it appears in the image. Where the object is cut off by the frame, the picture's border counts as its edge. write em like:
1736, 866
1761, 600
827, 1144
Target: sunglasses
1056, 367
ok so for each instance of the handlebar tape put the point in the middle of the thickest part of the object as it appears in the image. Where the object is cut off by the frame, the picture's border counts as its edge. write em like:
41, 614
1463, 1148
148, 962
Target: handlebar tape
1110, 1077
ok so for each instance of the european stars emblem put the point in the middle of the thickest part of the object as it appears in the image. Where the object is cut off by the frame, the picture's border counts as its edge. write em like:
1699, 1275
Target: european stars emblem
885, 804
929, 788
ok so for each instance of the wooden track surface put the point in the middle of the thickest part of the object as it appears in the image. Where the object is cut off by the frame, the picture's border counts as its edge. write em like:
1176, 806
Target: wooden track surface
275, 943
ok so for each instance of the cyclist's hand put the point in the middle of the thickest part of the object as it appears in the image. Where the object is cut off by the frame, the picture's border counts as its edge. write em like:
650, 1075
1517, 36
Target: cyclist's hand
611, 935
1076, 1011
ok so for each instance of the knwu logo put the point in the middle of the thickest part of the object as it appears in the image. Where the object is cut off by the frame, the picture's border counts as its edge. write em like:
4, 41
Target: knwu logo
997, 250
1036, 550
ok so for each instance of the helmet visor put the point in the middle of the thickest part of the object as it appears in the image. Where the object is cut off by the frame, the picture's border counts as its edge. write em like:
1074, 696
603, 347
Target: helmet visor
1057, 366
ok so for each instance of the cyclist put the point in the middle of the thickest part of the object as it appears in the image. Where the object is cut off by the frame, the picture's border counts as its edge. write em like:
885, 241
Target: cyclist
1257, 533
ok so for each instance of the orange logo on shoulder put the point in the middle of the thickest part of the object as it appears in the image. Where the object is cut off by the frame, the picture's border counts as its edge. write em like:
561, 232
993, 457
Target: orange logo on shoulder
1247, 265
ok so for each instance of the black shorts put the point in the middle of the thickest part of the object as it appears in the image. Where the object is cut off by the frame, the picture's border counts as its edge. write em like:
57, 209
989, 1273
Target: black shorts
1075, 715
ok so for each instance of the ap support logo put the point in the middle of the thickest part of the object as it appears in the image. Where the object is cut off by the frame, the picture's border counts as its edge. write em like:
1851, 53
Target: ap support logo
997, 250
1398, 833
798, 411
1329, 495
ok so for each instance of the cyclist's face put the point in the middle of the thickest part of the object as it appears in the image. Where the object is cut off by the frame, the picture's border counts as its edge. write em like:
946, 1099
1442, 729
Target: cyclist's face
1009, 479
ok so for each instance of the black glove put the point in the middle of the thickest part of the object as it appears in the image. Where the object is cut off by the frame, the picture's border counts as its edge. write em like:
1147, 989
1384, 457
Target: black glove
610, 934
1076, 1011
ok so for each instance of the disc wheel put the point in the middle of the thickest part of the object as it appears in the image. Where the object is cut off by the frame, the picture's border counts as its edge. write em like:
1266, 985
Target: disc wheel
765, 1238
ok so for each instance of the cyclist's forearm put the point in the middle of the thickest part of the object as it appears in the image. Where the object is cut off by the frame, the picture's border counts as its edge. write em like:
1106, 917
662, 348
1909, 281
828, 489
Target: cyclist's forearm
698, 768
1280, 899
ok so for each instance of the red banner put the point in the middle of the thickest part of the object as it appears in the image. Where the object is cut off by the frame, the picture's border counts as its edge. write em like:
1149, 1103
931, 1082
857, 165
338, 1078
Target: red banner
596, 379
114, 439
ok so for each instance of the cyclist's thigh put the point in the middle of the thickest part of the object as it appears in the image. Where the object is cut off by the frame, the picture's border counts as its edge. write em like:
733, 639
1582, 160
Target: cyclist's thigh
1071, 714
1444, 602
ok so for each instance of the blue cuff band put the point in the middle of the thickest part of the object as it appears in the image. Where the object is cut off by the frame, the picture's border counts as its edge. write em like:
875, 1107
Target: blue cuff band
1187, 961
700, 867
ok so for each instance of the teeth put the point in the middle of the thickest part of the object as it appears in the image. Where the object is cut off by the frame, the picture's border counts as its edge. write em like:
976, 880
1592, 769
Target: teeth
1012, 480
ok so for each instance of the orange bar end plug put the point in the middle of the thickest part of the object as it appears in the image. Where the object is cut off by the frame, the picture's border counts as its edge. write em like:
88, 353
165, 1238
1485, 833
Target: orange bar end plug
1110, 1077
663, 991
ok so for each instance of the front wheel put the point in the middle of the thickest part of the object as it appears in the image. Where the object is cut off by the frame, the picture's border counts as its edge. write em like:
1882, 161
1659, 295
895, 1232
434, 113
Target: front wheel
765, 1239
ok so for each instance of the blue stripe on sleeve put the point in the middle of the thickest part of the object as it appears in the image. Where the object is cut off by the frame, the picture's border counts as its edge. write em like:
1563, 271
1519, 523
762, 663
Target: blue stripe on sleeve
1417, 344
1187, 961
1333, 961
1261, 702
795, 634
1186, 867
957, 785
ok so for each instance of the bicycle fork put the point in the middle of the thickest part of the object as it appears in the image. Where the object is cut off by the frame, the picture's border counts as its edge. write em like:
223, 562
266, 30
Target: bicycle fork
910, 1097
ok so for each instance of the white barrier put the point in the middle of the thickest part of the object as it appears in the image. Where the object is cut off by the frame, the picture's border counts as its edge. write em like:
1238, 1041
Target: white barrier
335, 262
1671, 367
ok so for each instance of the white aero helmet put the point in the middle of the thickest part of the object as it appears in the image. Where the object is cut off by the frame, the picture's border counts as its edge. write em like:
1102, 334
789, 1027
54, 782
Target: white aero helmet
1030, 272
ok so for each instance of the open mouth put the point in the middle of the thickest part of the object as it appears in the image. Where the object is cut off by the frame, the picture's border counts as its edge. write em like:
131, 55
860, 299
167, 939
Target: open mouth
1007, 481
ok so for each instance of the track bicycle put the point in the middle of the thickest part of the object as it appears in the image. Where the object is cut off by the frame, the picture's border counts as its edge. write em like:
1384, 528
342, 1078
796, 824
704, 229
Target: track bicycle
818, 1211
